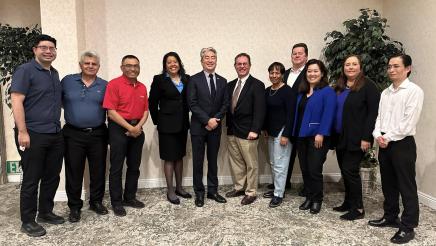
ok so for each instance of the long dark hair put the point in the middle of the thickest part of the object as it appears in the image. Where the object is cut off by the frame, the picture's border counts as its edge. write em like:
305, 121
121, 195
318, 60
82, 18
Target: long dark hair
164, 63
341, 84
304, 86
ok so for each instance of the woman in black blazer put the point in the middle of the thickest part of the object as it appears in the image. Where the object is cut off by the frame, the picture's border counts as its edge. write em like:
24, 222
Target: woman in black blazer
356, 112
169, 111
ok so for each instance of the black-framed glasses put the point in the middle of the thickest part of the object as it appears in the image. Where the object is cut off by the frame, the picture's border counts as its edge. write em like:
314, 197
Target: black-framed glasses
45, 48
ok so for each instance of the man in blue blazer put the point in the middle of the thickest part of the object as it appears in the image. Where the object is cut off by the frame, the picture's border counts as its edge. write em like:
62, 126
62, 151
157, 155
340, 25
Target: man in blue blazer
208, 102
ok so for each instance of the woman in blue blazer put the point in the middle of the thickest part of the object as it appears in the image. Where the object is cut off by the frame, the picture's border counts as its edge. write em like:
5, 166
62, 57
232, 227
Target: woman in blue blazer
315, 109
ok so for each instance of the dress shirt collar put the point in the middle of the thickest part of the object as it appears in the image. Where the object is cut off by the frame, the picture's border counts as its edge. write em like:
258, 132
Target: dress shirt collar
243, 79
404, 85
207, 74
298, 70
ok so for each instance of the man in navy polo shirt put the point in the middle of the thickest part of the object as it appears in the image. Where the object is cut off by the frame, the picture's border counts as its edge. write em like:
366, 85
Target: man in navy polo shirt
127, 104
36, 94
85, 134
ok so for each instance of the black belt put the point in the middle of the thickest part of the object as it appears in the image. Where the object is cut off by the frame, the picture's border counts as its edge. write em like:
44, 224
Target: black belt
87, 129
133, 122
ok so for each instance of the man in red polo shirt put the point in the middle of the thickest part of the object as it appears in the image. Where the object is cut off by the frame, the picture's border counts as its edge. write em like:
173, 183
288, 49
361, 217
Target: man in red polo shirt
126, 102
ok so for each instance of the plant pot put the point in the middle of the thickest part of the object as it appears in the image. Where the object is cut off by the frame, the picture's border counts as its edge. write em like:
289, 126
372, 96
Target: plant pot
368, 176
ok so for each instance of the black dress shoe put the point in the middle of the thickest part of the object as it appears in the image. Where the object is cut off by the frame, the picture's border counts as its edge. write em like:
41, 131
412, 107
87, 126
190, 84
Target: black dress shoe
217, 197
305, 205
235, 193
275, 202
33, 229
315, 207
383, 222
268, 194
183, 194
74, 215
343, 208
402, 236
270, 186
248, 200
199, 201
175, 201
353, 214
134, 203
119, 211
99, 208
50, 218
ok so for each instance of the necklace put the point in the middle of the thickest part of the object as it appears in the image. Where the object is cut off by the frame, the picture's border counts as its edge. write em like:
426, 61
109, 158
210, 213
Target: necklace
275, 90
273, 93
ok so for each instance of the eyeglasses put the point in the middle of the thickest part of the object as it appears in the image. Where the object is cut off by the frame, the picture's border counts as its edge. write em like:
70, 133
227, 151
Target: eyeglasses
45, 48
245, 64
131, 66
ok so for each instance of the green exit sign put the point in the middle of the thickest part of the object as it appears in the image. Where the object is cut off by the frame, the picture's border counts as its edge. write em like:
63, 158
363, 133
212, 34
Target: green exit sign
13, 167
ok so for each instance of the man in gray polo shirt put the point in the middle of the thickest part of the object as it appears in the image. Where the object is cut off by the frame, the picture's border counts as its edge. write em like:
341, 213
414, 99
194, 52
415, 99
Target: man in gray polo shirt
85, 134
36, 105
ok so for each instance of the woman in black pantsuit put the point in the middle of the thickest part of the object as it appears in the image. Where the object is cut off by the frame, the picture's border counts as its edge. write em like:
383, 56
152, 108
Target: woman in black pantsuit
169, 111
356, 112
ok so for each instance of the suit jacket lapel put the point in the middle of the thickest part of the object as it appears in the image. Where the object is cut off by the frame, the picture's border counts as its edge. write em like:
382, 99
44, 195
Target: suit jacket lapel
172, 85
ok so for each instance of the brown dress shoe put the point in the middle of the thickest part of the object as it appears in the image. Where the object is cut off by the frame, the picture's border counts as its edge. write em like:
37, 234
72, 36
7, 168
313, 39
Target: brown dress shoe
248, 200
235, 193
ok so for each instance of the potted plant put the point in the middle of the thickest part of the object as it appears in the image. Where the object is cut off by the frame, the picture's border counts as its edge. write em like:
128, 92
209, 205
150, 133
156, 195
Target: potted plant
364, 36
15, 49
368, 170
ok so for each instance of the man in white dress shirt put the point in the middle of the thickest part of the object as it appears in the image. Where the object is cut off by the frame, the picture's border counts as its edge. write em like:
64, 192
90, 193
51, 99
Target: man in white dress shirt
399, 110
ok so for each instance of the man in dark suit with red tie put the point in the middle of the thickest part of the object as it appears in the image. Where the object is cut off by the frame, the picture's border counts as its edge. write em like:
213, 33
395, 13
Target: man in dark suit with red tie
208, 102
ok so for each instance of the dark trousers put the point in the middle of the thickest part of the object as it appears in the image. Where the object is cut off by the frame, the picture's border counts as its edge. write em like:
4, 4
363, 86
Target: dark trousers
397, 170
311, 162
79, 146
41, 164
349, 163
199, 142
291, 163
123, 148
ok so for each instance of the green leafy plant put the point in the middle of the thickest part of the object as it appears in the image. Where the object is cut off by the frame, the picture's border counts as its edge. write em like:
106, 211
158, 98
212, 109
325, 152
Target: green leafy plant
364, 36
15, 49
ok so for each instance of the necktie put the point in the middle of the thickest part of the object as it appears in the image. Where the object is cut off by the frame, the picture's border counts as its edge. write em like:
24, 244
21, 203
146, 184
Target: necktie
236, 95
212, 87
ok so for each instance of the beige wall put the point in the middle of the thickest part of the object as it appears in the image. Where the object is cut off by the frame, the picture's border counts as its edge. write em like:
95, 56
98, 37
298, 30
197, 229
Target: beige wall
413, 23
20, 12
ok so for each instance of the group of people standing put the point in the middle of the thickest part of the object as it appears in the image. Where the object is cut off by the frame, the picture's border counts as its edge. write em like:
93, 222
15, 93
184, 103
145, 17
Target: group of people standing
299, 114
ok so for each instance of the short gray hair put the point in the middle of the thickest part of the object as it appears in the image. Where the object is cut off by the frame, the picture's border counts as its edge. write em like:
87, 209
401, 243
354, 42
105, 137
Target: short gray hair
89, 53
204, 50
